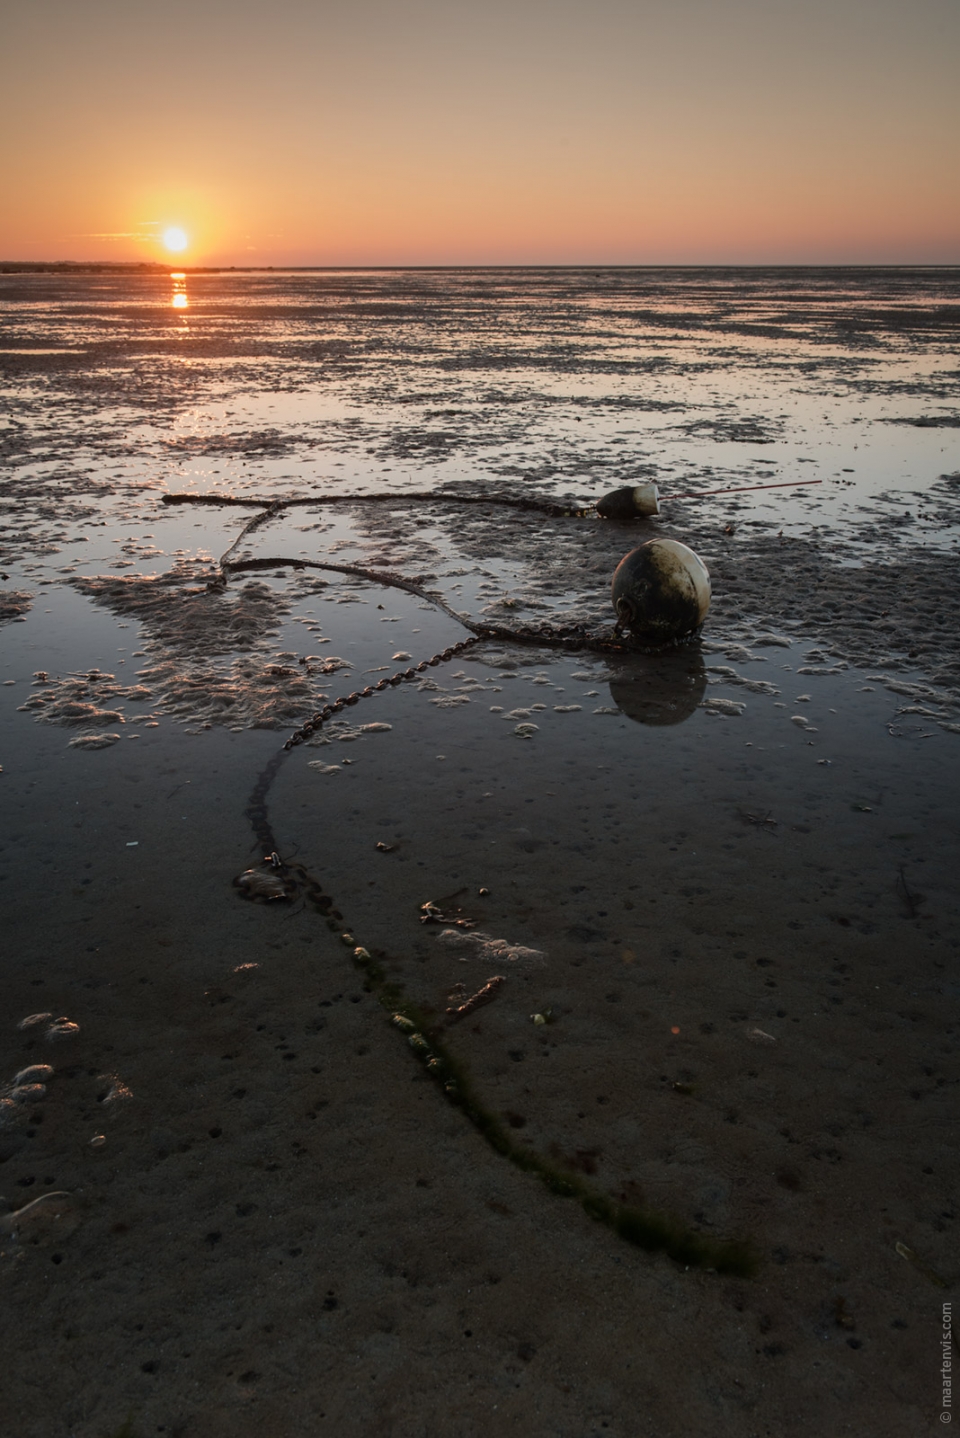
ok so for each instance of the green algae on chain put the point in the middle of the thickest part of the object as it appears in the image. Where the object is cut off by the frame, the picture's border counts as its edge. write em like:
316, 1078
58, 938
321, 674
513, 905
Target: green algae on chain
317, 721
126, 1429
645, 1228
556, 510
649, 1229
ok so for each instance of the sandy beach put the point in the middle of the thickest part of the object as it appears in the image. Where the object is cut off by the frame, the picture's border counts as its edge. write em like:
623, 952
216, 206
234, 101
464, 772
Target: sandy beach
688, 1161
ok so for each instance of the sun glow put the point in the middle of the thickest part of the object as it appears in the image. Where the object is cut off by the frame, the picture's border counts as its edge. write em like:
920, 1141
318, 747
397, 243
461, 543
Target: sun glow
175, 239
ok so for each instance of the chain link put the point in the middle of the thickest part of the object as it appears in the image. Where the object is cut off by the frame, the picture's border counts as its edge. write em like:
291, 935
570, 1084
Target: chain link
556, 509
570, 637
317, 721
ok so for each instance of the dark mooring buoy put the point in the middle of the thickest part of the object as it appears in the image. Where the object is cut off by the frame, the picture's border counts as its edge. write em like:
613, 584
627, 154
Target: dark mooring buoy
661, 591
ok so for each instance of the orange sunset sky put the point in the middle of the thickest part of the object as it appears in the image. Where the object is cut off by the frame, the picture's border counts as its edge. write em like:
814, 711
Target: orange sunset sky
365, 132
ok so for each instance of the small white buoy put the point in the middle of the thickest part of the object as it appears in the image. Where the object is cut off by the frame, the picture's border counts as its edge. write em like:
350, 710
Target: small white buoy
661, 591
634, 501
643, 500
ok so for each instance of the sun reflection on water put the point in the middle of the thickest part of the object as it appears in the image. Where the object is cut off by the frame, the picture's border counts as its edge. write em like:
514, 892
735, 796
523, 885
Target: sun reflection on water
179, 300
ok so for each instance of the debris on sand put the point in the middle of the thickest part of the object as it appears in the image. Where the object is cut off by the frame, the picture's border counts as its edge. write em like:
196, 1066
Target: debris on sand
80, 699
725, 707
485, 995
47, 1205
484, 946
93, 741
266, 882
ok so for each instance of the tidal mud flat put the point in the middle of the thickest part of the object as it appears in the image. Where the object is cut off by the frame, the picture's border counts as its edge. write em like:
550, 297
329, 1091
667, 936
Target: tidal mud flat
715, 888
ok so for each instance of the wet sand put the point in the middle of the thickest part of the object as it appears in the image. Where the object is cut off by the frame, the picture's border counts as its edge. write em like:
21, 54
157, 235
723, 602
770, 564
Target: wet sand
724, 878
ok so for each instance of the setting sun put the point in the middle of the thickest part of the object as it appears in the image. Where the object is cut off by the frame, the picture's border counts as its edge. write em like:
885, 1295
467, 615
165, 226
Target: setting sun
175, 239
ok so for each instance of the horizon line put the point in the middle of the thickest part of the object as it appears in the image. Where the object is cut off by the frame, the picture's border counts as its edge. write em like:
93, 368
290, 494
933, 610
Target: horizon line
14, 266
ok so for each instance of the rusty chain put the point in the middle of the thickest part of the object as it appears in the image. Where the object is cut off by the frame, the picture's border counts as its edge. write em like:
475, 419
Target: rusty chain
554, 508
568, 637
338, 705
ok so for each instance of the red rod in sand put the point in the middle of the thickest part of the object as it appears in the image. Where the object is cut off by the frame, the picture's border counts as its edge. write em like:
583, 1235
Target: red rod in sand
744, 489
643, 500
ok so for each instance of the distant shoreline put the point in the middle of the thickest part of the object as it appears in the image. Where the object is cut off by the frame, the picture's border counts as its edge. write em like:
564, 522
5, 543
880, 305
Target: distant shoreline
157, 267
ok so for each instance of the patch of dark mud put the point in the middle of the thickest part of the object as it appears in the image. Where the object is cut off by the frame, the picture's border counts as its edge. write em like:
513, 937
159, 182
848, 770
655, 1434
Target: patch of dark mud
579, 358
894, 617
885, 610
41, 515
927, 421
633, 403
898, 513
432, 445
733, 431
943, 386
571, 462
264, 443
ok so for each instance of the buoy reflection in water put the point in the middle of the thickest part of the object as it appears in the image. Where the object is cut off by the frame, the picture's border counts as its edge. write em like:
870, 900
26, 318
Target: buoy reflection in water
663, 690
